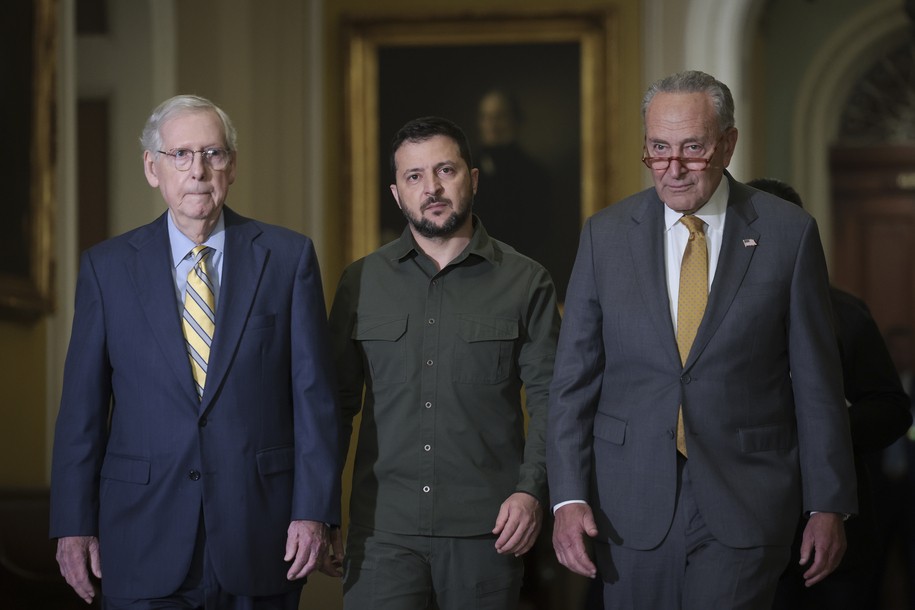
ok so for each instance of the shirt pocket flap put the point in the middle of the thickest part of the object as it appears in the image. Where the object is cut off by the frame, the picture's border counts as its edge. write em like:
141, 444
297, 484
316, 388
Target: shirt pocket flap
609, 428
486, 328
278, 459
380, 328
125, 469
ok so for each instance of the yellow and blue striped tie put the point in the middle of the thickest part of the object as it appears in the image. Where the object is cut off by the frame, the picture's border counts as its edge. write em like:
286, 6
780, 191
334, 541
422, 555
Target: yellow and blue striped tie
199, 318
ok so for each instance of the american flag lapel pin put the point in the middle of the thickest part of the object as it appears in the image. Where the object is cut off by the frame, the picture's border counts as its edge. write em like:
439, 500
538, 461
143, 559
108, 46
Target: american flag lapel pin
749, 243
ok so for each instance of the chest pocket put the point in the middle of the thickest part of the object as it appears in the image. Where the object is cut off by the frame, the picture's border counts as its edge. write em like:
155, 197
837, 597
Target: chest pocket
382, 341
484, 348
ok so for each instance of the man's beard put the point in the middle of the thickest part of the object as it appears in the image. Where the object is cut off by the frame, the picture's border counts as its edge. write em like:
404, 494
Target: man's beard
429, 230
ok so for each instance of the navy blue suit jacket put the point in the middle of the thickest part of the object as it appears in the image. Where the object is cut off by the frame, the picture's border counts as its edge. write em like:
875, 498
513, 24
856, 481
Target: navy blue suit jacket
138, 458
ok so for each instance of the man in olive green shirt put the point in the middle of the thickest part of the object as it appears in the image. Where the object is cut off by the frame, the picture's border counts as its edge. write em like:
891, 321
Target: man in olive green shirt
434, 336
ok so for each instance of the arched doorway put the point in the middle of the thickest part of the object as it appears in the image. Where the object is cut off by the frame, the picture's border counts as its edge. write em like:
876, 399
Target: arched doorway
872, 169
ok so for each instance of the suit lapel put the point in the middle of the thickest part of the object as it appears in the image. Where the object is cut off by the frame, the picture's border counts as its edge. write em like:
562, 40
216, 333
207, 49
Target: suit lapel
154, 284
243, 265
646, 244
737, 248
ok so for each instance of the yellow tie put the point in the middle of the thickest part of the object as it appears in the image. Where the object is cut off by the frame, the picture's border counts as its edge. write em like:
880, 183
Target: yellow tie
199, 319
692, 298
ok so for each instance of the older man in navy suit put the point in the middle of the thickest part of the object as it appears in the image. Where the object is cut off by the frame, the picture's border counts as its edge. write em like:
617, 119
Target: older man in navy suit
196, 453
686, 436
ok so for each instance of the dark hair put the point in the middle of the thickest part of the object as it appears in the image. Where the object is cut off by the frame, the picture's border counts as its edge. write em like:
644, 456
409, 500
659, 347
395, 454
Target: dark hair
777, 188
694, 81
422, 129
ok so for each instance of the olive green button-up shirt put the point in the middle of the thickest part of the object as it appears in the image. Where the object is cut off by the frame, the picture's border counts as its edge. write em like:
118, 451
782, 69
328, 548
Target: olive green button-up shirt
436, 361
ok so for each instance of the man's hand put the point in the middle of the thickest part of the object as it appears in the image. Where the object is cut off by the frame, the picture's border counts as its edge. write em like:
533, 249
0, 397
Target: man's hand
333, 560
573, 522
306, 543
518, 524
824, 538
76, 556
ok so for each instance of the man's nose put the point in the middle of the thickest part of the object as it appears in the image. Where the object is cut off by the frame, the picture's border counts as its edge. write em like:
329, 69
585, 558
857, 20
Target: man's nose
676, 167
198, 167
433, 185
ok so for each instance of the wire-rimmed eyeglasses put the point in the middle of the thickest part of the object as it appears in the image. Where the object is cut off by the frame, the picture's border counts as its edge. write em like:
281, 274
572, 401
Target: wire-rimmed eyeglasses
216, 158
694, 164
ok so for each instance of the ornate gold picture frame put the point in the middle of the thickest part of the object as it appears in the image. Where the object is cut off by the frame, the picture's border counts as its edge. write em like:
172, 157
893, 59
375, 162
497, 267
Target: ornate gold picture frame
25, 235
561, 69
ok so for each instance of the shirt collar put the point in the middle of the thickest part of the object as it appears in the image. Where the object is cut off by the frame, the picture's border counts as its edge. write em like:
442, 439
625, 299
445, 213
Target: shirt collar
713, 212
181, 244
481, 244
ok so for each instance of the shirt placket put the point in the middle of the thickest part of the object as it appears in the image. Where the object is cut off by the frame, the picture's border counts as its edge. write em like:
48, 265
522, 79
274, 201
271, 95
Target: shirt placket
428, 400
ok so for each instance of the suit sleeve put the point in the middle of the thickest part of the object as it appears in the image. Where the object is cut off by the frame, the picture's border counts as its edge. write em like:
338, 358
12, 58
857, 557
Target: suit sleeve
82, 422
316, 494
346, 354
577, 380
826, 460
536, 361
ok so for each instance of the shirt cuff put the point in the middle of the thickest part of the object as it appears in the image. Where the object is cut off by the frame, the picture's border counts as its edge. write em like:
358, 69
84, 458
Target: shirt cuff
561, 504
845, 516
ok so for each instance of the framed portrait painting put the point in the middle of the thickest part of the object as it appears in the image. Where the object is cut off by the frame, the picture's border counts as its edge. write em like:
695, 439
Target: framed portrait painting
532, 93
28, 39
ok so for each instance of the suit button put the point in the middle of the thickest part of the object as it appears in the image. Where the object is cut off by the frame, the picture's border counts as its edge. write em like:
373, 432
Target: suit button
193, 475
670, 434
686, 378
203, 422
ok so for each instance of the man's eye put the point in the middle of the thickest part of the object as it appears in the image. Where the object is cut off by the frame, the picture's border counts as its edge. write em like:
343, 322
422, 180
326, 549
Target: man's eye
447, 170
214, 153
181, 153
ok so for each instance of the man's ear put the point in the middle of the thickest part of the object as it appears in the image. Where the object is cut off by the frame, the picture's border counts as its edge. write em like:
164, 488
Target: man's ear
150, 169
396, 195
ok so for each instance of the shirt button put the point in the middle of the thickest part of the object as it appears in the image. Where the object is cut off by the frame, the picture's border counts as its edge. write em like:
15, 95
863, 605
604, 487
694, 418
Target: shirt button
427, 447
431, 321
426, 489
193, 475
428, 405
428, 363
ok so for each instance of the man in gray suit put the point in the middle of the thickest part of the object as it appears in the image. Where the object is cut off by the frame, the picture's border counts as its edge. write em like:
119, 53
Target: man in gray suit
684, 447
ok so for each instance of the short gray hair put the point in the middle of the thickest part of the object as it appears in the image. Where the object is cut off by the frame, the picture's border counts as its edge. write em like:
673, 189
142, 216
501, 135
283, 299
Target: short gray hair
151, 138
694, 81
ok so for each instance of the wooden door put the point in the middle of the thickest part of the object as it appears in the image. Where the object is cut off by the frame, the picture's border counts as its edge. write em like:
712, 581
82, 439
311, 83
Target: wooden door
873, 191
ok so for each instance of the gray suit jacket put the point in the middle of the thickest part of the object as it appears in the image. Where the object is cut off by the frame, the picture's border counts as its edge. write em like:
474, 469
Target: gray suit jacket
765, 418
